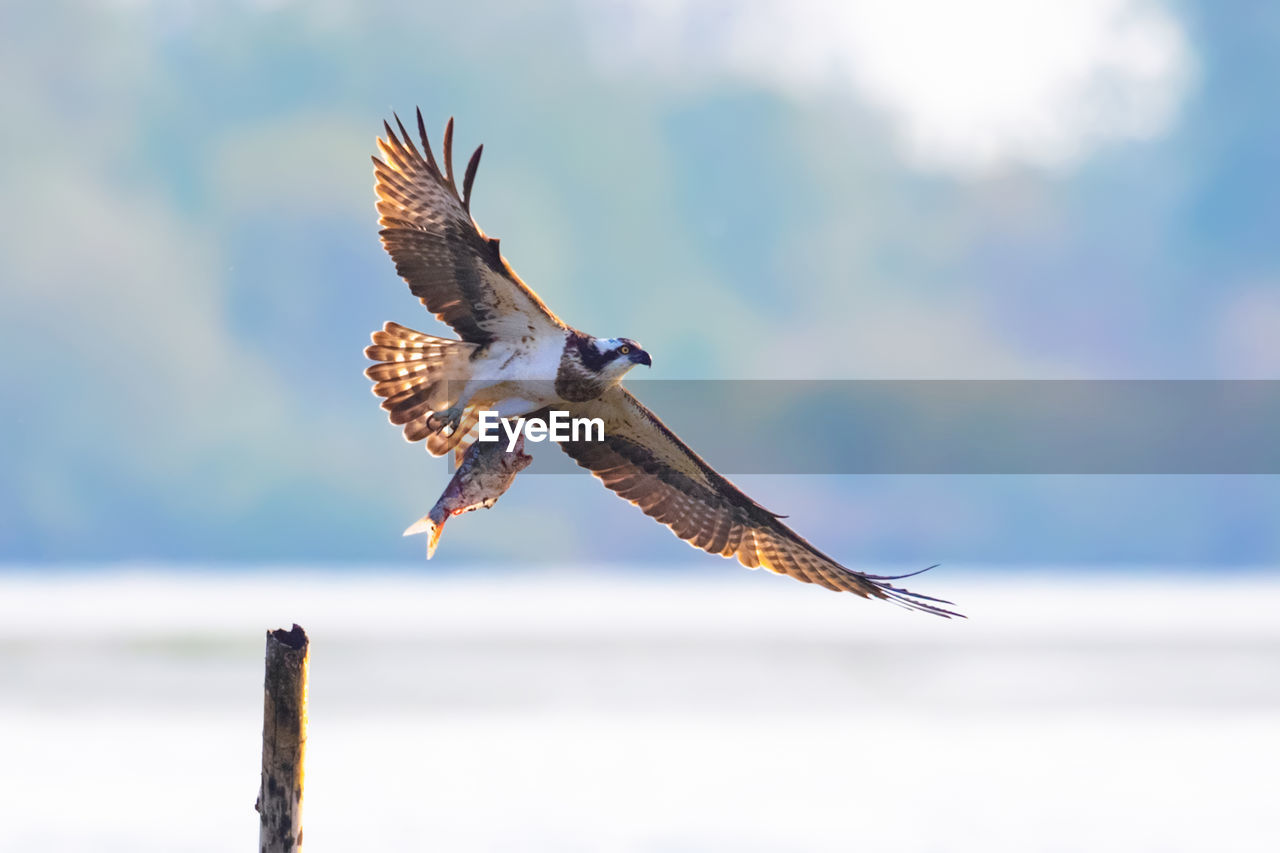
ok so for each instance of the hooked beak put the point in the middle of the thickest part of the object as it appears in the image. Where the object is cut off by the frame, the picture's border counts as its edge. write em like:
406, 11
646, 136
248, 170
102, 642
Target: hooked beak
639, 356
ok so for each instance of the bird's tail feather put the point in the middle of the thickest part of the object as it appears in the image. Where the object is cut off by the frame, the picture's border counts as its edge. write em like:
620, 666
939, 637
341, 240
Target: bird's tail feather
418, 375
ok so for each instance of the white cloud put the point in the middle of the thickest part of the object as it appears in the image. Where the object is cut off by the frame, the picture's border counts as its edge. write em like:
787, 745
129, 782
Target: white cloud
967, 86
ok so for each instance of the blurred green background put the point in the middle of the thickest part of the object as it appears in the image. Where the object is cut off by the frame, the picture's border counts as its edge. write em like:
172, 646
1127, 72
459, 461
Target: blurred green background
190, 264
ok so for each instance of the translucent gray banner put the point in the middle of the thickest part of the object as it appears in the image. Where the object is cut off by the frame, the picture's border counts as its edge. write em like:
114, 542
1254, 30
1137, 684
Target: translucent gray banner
967, 427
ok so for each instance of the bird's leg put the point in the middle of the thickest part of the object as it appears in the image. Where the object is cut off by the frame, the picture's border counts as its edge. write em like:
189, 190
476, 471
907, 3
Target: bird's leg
450, 418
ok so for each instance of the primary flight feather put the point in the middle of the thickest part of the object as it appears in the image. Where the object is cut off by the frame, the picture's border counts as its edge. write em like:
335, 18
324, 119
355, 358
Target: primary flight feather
517, 357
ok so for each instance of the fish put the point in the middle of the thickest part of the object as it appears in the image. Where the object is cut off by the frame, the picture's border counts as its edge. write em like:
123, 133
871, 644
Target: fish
486, 472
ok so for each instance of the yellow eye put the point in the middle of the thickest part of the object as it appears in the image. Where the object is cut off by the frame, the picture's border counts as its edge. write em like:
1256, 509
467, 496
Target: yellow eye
624, 349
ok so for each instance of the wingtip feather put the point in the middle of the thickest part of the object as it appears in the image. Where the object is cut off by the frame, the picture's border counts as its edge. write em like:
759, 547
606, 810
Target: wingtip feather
426, 143
468, 179
448, 156
405, 135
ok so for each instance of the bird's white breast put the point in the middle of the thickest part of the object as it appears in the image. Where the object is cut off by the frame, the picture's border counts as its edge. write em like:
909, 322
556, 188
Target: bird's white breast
535, 359
529, 364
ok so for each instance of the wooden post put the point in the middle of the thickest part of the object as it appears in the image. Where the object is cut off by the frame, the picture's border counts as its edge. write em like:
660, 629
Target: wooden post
284, 742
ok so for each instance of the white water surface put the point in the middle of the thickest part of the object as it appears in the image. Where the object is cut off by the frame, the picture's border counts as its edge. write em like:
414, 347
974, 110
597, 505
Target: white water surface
592, 711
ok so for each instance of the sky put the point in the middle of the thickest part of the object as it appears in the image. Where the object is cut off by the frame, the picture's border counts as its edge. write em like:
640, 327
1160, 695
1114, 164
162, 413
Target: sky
761, 190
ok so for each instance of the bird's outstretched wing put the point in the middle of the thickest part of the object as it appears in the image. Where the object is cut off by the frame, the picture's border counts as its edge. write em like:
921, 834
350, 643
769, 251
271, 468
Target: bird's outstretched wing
448, 262
645, 463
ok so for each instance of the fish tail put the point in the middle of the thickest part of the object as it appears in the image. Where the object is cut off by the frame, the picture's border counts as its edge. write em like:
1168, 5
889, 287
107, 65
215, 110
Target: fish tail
431, 524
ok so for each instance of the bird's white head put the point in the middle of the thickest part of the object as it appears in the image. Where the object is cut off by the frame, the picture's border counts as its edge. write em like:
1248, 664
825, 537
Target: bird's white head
611, 358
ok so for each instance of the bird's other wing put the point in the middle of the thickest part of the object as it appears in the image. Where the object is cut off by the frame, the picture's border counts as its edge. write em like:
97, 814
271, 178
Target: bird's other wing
448, 262
645, 463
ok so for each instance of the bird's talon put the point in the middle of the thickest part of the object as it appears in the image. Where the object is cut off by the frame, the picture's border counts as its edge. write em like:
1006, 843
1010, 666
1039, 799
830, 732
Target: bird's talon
446, 421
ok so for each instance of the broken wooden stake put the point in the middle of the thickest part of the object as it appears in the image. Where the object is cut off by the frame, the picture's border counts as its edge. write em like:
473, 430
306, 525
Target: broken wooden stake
284, 742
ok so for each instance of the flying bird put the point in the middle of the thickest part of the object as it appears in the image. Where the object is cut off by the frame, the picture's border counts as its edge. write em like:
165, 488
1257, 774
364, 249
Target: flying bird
516, 356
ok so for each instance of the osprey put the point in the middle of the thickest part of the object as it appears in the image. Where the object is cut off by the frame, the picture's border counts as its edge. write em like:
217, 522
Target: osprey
517, 357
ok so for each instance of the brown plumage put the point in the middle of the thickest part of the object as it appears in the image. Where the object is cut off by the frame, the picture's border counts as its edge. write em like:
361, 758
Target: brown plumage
509, 337
645, 463
418, 375
577, 379
448, 262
